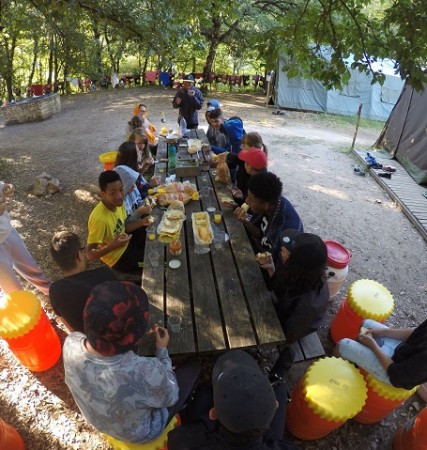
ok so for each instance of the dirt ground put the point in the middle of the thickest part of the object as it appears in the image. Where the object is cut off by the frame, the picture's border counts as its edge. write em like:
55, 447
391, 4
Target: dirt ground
312, 157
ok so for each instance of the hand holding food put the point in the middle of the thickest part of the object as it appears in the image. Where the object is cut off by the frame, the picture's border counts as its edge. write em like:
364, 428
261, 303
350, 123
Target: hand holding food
120, 240
162, 336
245, 207
367, 340
241, 214
263, 258
144, 210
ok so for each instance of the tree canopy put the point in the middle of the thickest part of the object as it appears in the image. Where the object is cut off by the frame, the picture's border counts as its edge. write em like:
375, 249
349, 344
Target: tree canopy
46, 41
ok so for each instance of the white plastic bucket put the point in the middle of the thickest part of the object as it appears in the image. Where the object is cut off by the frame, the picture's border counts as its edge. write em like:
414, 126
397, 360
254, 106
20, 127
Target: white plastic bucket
335, 278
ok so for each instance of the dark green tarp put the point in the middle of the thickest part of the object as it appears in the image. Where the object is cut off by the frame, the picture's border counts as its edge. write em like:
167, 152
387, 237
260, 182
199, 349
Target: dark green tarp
404, 135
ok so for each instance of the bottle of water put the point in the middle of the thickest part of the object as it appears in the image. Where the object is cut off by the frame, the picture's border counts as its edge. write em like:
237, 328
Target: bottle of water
183, 125
162, 117
171, 157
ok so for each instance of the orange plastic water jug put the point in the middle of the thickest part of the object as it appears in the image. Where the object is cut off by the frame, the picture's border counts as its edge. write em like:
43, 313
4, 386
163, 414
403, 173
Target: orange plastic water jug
331, 392
366, 299
382, 399
10, 438
413, 435
28, 332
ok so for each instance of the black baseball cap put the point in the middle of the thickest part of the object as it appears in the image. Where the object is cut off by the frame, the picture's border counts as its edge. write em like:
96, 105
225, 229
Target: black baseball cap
307, 249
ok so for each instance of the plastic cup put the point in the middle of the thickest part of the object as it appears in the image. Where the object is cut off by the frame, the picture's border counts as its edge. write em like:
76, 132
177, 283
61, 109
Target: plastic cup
217, 216
204, 178
205, 166
151, 233
219, 239
153, 258
174, 323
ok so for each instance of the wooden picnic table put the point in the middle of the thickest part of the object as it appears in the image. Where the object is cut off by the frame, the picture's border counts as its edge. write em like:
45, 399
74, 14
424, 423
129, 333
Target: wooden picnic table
221, 296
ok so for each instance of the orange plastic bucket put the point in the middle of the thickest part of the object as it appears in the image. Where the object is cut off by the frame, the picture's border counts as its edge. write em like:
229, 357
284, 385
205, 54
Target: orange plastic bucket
28, 331
413, 435
366, 299
10, 439
381, 401
331, 392
108, 159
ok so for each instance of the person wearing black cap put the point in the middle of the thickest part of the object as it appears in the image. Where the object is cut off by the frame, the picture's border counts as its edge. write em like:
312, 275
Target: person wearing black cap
300, 286
188, 100
246, 412
129, 397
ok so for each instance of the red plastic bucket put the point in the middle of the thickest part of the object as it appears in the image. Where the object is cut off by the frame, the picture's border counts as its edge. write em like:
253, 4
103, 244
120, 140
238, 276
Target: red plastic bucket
331, 392
338, 255
10, 438
366, 299
413, 435
346, 323
381, 401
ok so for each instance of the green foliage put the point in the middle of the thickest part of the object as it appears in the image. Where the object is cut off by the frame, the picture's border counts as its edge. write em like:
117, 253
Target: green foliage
92, 37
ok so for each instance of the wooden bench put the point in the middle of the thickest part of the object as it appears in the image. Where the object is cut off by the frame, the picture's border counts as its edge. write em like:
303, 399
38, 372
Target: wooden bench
308, 347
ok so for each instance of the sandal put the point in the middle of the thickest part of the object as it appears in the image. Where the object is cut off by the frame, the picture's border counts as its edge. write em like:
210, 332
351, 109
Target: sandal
390, 169
358, 171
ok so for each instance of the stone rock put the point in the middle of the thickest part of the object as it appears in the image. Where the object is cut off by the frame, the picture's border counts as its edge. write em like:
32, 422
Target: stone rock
45, 184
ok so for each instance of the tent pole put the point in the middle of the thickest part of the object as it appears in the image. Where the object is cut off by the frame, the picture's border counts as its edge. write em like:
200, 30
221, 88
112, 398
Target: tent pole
359, 112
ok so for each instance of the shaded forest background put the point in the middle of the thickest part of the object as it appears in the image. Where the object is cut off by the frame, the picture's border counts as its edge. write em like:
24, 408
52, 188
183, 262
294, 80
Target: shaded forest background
43, 41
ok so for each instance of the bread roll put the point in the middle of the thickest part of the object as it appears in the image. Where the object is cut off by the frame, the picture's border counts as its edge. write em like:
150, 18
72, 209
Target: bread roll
245, 207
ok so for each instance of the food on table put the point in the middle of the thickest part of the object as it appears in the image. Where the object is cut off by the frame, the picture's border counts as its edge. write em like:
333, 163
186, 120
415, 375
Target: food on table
176, 191
175, 247
170, 225
245, 207
223, 173
163, 130
202, 228
226, 200
194, 145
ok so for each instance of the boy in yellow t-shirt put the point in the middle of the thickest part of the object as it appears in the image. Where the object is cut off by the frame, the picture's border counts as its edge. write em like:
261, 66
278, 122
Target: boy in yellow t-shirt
108, 237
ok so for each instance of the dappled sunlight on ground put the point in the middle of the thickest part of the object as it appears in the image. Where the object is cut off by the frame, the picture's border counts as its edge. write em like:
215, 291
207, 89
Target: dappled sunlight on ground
331, 192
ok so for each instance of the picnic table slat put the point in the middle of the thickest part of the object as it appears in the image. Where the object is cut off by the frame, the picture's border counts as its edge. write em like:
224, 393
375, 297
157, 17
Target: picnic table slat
209, 329
259, 299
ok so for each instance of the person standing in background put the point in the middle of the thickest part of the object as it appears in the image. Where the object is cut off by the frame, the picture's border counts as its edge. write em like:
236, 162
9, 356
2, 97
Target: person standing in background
189, 100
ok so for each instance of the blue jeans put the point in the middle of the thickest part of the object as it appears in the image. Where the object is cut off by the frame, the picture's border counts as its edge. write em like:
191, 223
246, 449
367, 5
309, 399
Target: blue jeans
364, 357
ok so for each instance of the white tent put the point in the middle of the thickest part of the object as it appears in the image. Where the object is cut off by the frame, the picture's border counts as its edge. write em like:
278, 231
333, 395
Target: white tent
311, 95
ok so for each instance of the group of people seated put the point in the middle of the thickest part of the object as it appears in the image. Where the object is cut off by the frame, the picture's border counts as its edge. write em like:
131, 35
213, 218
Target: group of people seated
128, 393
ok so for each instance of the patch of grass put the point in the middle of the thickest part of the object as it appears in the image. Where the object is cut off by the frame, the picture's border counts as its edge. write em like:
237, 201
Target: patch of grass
346, 121
343, 149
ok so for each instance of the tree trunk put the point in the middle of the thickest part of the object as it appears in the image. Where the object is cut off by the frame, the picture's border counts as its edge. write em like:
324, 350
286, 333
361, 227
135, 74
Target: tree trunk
35, 56
8, 75
98, 57
50, 64
144, 69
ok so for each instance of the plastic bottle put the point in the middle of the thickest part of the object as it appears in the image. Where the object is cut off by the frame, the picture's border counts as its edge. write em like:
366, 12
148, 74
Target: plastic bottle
171, 157
183, 125
162, 117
